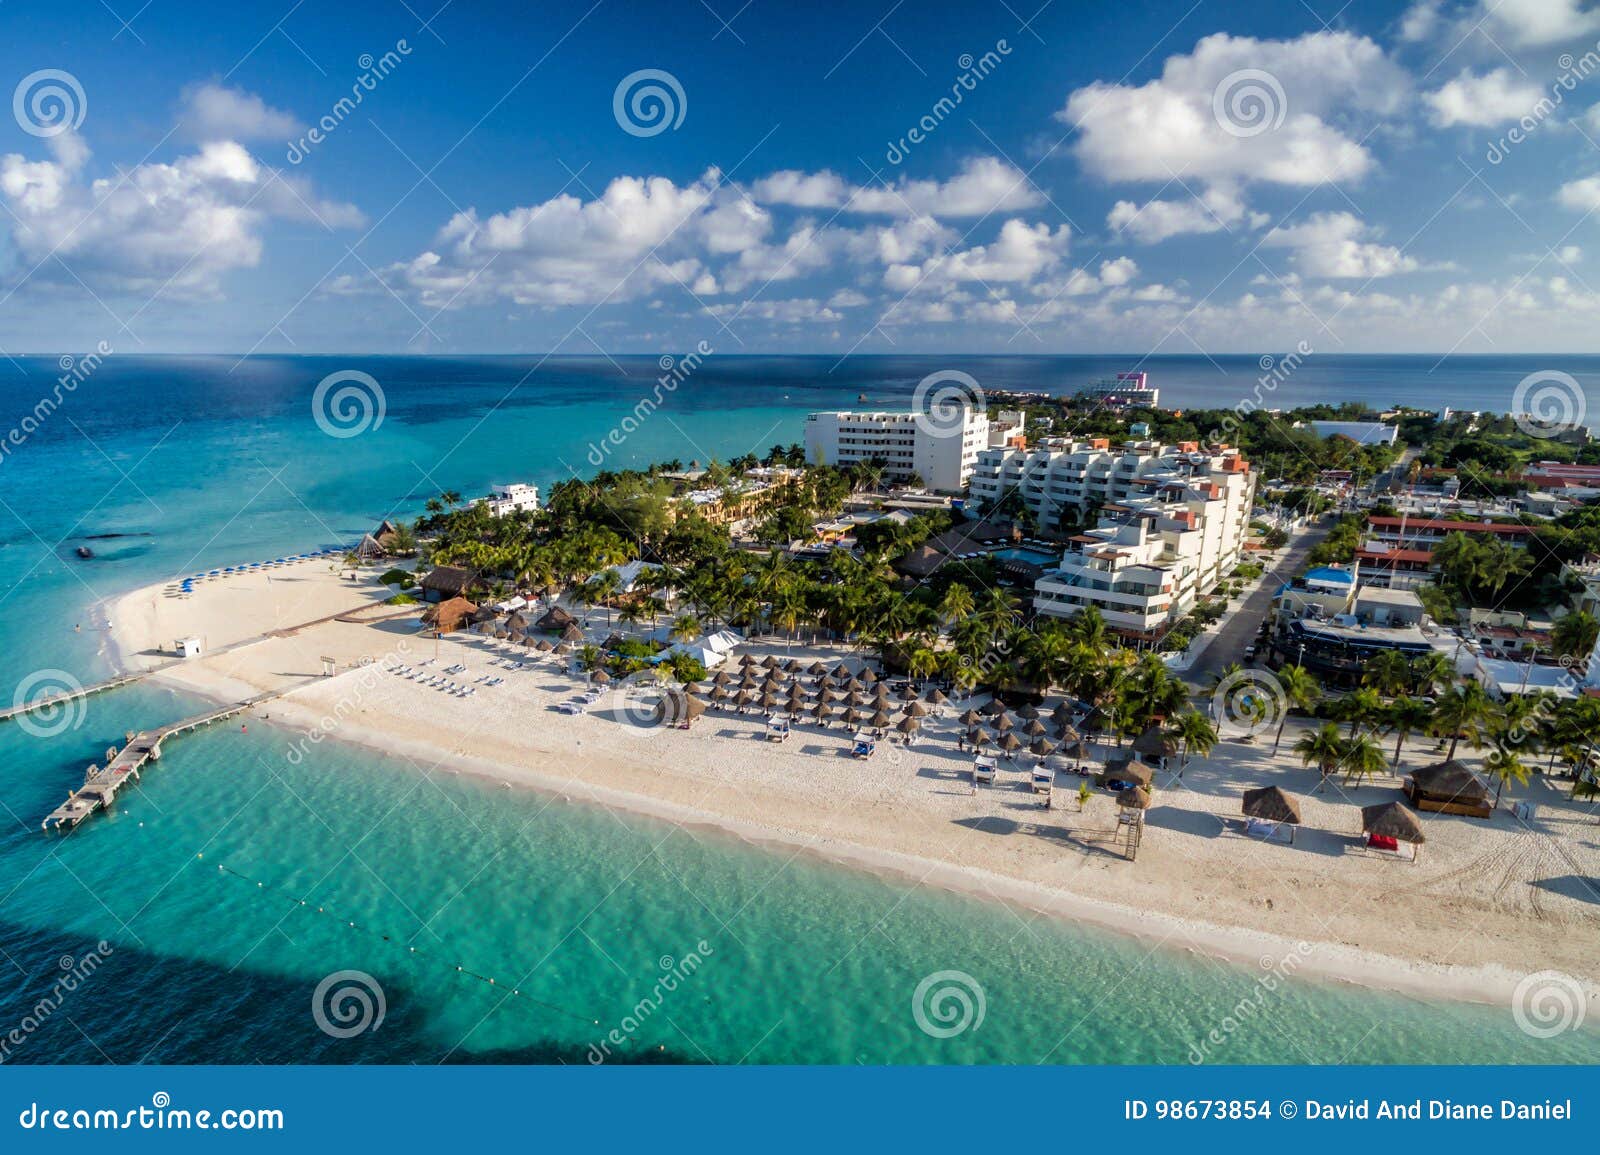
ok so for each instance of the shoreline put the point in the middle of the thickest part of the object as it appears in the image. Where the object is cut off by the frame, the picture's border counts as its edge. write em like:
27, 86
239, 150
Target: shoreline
1239, 946
907, 816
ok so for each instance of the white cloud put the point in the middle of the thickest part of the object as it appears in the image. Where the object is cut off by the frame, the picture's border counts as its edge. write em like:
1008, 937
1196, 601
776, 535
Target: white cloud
798, 311
983, 185
1330, 245
1019, 254
176, 226
1532, 23
1173, 126
1581, 195
1118, 272
847, 299
1493, 98
213, 112
1421, 21
1154, 221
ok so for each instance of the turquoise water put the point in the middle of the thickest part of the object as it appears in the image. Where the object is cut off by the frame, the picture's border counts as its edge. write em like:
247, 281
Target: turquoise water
1036, 556
575, 907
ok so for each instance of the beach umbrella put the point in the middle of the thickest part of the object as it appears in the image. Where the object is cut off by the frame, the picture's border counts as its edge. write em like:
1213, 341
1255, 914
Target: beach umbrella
909, 694
908, 725
768, 662
526, 640
1040, 748
1010, 743
1035, 729
821, 712
693, 688
971, 718
769, 700
881, 719
1130, 771
745, 697
1067, 732
543, 646
790, 665
797, 700
1062, 714
719, 693
572, 634
976, 738
1029, 711
841, 671
937, 697
881, 694
915, 710
1392, 820
853, 716
1003, 723
722, 678
600, 676
867, 675
995, 706
816, 669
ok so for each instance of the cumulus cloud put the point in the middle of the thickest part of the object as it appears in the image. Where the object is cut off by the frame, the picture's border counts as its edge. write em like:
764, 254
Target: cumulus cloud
214, 112
1516, 24
1493, 98
1020, 253
1216, 209
1581, 195
176, 227
983, 185
1331, 245
1184, 123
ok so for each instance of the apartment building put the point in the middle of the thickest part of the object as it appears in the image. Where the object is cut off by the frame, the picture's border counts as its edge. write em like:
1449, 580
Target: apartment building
1063, 482
1416, 533
909, 444
1154, 554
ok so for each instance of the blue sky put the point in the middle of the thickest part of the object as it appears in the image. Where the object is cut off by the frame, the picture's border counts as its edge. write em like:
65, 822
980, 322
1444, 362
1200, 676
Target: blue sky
1136, 178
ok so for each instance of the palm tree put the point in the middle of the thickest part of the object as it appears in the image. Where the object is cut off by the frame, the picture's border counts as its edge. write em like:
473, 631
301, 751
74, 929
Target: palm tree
957, 603
589, 658
1197, 734
1387, 672
1403, 717
1322, 747
685, 628
1363, 758
1505, 763
1574, 635
923, 663
1361, 708
1463, 712
1432, 671
1300, 691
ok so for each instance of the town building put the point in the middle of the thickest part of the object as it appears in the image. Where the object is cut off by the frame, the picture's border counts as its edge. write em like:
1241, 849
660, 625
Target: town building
1155, 552
1426, 532
910, 445
512, 498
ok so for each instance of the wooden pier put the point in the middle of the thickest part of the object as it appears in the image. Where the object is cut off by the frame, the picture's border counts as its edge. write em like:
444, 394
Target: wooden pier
22, 708
123, 766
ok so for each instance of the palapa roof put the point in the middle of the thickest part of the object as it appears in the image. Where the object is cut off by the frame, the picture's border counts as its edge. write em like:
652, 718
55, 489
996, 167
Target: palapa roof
369, 547
1134, 798
995, 706
1392, 820
907, 725
1154, 743
449, 580
572, 633
1129, 770
1271, 804
676, 706
555, 620
448, 616
1450, 781
1041, 748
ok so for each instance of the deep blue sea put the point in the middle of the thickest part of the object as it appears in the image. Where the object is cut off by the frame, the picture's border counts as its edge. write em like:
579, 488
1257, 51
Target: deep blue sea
162, 466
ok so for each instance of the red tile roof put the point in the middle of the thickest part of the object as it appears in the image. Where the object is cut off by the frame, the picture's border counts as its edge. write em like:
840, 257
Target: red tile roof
1422, 523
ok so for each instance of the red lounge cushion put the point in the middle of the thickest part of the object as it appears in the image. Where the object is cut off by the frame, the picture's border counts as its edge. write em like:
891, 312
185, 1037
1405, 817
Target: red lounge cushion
1380, 842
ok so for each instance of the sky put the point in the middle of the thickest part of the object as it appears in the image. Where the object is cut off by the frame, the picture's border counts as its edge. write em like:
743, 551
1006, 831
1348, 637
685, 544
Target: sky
750, 176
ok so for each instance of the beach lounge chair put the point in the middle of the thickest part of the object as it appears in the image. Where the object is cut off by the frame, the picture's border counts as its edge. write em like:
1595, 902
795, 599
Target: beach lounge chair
863, 745
982, 771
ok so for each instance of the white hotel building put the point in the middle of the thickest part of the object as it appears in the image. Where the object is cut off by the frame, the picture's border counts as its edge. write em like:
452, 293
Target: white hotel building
909, 443
1173, 523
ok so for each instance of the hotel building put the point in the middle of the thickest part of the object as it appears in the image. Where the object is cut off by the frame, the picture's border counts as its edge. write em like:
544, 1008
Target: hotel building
909, 444
1174, 526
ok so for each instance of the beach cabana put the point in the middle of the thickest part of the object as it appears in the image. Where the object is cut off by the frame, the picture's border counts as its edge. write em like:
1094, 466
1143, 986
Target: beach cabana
678, 709
777, 729
555, 620
1269, 809
1387, 825
444, 582
983, 769
1155, 746
863, 745
447, 617
1126, 770
1449, 788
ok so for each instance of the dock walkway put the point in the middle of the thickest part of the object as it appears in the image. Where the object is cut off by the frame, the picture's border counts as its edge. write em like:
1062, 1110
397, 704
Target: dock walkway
21, 708
123, 766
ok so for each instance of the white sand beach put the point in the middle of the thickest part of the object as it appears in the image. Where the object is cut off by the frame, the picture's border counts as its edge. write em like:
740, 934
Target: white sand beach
1488, 901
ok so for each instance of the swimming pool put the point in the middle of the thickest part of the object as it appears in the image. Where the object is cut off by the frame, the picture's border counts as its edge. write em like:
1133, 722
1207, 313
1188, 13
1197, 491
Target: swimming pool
1020, 553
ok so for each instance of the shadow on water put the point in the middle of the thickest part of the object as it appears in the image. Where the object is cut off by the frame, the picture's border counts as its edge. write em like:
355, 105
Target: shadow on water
137, 1006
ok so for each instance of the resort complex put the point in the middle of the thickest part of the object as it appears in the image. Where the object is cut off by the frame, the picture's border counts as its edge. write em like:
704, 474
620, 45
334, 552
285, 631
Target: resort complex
933, 451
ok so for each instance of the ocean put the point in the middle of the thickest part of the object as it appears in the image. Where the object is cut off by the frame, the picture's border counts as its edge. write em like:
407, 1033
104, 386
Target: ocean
161, 466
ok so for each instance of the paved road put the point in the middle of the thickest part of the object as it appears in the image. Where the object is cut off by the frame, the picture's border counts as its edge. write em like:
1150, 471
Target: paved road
1239, 628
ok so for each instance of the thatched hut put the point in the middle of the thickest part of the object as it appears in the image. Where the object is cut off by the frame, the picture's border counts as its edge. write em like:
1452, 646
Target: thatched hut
1126, 770
1388, 824
1271, 808
1155, 745
1449, 788
1134, 798
555, 620
445, 582
448, 616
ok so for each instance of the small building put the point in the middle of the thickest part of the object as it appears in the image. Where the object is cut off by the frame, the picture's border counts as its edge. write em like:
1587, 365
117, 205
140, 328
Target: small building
448, 616
512, 498
1388, 607
444, 582
187, 647
1449, 788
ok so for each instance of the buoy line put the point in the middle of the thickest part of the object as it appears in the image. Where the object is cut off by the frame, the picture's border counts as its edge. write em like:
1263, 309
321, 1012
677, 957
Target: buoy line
411, 951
